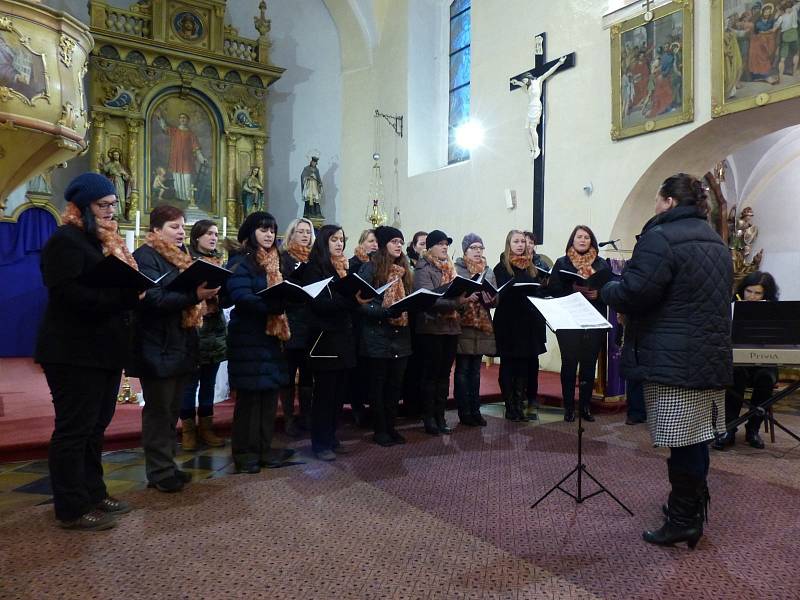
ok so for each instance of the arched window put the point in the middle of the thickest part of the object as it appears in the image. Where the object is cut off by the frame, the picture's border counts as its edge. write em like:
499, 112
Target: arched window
460, 63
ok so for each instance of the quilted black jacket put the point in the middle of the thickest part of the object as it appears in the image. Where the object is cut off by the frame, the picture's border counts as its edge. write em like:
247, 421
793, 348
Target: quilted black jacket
676, 292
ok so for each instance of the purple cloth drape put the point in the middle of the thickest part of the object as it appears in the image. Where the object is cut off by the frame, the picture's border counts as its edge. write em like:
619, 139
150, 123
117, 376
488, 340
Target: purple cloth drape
22, 294
615, 382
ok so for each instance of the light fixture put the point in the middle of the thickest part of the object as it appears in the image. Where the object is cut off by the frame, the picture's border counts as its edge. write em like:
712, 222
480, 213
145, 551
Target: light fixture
376, 206
469, 134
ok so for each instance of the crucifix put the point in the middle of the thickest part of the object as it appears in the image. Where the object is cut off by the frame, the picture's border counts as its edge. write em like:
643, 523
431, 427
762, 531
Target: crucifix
534, 82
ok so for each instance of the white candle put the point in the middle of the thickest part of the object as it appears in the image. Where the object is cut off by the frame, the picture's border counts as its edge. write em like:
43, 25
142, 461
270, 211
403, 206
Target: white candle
224, 227
129, 240
138, 222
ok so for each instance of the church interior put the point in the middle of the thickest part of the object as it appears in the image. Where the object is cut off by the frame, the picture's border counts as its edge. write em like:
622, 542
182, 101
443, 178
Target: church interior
476, 118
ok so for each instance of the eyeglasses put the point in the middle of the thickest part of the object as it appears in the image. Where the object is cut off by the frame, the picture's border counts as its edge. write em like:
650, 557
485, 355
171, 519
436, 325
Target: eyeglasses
107, 205
476, 247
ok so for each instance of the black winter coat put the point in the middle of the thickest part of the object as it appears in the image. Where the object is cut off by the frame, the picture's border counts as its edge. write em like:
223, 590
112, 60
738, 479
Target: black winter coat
675, 292
558, 287
378, 338
519, 329
212, 347
299, 314
354, 264
162, 347
255, 359
82, 326
331, 333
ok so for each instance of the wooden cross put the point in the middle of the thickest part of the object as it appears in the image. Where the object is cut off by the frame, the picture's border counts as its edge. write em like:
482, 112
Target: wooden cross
539, 69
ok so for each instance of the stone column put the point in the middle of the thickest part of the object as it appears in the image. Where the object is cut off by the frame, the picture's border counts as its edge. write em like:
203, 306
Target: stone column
134, 126
232, 203
98, 130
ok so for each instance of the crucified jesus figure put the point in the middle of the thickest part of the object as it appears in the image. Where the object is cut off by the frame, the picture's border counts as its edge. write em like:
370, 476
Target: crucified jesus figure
533, 85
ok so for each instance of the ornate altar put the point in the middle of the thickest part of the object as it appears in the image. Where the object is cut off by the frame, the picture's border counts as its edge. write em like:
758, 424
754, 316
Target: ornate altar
43, 120
182, 99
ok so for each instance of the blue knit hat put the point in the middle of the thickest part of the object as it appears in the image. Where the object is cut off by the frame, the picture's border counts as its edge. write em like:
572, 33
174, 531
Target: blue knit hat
88, 187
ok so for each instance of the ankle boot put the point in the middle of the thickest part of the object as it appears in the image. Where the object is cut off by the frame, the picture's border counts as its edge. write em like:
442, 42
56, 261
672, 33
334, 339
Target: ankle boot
751, 435
520, 398
188, 435
685, 511
206, 433
511, 409
428, 390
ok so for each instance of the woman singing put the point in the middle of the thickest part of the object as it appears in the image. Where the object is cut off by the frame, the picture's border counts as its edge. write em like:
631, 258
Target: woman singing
82, 347
675, 294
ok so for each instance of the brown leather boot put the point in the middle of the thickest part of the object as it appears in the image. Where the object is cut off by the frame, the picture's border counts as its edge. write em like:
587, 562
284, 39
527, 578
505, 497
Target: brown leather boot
206, 433
188, 435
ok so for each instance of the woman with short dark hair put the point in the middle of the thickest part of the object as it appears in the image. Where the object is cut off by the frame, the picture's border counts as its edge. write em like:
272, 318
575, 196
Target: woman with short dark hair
579, 347
165, 343
197, 410
416, 247
256, 332
755, 287
83, 344
675, 295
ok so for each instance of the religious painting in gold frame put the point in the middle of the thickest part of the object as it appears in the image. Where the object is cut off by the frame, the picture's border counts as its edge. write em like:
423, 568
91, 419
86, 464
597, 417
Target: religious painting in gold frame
182, 153
652, 81
755, 48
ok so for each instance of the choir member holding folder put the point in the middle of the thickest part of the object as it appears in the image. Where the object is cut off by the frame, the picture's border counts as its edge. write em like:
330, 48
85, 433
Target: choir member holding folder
438, 329
333, 346
385, 338
298, 240
477, 333
256, 332
580, 270
165, 343
519, 328
82, 347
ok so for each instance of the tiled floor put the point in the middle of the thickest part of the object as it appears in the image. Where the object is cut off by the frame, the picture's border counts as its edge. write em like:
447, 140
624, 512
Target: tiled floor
27, 483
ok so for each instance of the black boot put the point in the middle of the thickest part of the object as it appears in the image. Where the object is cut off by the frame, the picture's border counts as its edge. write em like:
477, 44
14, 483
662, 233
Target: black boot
287, 403
509, 401
520, 384
751, 436
442, 389
428, 391
724, 441
685, 511
585, 392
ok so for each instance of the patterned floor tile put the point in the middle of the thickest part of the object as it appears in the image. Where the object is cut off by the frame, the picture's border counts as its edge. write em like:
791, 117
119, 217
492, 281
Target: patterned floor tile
12, 480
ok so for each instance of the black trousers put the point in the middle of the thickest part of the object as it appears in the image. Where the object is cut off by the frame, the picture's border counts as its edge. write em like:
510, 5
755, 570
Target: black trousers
162, 404
297, 359
533, 381
579, 353
412, 381
438, 355
510, 369
330, 393
385, 385
762, 380
692, 459
253, 426
84, 401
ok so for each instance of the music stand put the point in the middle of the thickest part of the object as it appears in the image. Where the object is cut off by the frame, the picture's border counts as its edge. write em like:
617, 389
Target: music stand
766, 326
580, 468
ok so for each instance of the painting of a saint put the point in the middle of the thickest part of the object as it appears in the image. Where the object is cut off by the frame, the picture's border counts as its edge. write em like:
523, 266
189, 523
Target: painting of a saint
21, 70
181, 154
760, 50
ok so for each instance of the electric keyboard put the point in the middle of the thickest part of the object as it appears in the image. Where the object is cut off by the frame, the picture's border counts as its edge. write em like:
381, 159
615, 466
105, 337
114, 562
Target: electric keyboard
776, 356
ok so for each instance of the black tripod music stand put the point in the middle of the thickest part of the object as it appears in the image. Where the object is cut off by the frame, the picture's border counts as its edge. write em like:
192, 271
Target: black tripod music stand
580, 468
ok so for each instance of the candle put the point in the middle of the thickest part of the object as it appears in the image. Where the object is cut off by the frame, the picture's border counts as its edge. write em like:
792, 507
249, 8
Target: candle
224, 227
138, 222
129, 241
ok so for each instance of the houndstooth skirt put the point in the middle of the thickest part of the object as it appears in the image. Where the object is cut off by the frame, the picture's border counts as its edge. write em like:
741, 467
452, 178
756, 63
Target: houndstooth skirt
680, 417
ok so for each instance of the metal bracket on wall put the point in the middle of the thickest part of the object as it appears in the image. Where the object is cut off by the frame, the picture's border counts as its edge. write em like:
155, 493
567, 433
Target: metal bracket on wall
395, 121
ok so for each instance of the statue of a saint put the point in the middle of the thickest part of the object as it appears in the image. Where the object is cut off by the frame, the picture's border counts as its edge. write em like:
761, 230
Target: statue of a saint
252, 192
120, 177
311, 187
533, 85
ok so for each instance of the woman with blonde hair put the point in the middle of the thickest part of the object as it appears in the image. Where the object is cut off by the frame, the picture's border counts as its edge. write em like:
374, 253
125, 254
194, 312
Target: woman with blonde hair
367, 244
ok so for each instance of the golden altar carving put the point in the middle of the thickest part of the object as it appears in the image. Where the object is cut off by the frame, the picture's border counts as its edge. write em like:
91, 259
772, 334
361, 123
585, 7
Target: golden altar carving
184, 99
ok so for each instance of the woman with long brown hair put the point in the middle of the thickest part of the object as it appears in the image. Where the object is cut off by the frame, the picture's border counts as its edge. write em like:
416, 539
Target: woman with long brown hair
519, 328
385, 338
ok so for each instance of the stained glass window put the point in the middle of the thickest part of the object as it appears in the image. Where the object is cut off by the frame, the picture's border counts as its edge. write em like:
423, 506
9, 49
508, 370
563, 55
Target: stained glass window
460, 67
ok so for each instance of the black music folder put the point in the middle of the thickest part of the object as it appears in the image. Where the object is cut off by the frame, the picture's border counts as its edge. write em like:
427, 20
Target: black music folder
461, 286
198, 272
418, 301
594, 281
112, 272
289, 291
352, 284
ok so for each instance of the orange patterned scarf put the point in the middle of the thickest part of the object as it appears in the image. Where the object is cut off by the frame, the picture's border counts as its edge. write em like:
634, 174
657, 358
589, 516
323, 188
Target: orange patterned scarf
361, 254
277, 325
474, 314
395, 293
340, 265
521, 261
583, 262
107, 233
193, 315
298, 251
448, 270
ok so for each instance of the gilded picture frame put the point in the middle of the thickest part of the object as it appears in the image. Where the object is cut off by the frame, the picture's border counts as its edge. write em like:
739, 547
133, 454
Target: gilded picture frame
652, 76
754, 62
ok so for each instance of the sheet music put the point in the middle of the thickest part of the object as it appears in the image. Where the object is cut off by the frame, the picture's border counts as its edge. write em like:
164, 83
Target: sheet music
313, 289
570, 312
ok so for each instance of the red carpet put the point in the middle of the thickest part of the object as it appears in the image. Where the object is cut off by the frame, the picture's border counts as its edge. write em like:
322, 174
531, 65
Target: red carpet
26, 410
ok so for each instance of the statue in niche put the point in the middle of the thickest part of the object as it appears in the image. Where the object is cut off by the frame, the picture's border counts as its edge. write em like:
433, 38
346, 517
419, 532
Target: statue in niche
743, 234
120, 177
311, 188
533, 85
252, 192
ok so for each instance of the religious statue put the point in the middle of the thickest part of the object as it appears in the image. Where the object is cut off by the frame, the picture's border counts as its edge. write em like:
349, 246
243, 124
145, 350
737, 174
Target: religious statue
743, 234
120, 177
252, 192
533, 85
184, 154
311, 187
